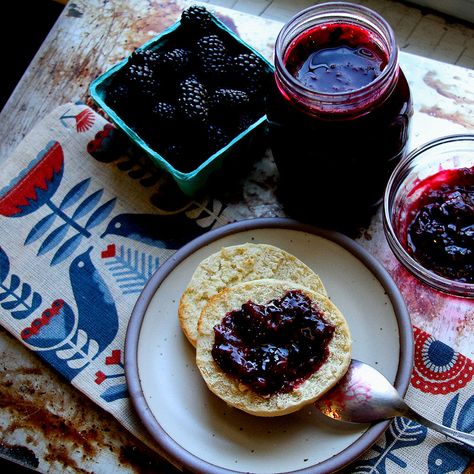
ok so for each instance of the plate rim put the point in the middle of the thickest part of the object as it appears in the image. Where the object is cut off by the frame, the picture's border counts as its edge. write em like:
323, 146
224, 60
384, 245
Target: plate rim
178, 454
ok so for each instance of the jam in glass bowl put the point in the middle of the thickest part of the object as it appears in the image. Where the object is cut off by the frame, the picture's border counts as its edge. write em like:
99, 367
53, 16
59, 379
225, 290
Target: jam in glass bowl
429, 213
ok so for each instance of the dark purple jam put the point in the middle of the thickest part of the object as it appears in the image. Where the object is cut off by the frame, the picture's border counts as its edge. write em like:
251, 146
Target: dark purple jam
440, 232
334, 166
273, 348
336, 58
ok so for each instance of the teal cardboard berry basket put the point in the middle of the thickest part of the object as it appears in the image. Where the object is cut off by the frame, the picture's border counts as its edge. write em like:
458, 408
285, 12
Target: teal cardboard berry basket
239, 147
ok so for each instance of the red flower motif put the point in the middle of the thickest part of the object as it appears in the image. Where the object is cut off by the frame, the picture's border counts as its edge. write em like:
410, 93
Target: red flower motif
32, 188
438, 369
114, 358
100, 377
46, 317
109, 252
84, 120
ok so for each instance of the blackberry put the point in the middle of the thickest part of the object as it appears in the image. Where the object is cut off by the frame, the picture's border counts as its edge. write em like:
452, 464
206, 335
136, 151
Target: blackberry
175, 61
228, 98
118, 95
234, 124
248, 67
164, 112
192, 100
175, 152
144, 56
244, 121
196, 17
182, 157
254, 89
212, 54
217, 138
141, 79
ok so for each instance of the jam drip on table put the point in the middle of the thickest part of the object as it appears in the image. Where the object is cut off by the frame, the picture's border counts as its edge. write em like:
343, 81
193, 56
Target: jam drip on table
273, 347
440, 235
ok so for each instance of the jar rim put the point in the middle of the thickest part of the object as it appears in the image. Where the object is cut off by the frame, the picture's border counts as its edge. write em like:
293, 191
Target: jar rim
339, 11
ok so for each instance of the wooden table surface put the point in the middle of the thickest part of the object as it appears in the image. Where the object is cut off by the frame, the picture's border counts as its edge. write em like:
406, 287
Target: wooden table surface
47, 424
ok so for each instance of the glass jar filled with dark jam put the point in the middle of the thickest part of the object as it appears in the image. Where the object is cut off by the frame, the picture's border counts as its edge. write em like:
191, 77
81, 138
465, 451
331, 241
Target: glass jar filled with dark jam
338, 113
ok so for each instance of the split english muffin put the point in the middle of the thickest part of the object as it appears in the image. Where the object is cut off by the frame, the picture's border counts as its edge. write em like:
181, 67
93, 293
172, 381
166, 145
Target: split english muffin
236, 264
269, 347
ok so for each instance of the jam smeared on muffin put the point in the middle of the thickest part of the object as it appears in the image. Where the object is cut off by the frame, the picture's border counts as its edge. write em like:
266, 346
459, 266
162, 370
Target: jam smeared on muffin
275, 347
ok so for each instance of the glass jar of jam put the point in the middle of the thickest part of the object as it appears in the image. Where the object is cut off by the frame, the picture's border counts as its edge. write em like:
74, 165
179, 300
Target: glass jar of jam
339, 113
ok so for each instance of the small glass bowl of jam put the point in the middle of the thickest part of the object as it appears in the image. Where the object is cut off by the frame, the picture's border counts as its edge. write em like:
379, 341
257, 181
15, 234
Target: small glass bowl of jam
429, 213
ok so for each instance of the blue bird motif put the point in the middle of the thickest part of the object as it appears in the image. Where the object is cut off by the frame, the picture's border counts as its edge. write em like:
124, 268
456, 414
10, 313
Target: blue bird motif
97, 312
69, 340
4, 265
449, 457
163, 231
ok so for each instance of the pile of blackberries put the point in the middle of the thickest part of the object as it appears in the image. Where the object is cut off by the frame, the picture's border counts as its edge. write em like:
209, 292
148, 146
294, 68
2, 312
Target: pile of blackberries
191, 96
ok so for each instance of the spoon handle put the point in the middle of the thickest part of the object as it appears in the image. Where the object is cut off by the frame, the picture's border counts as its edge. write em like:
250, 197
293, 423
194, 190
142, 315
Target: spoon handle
460, 436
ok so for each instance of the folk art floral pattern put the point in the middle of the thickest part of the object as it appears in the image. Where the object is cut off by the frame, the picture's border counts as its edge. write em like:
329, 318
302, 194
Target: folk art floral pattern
84, 225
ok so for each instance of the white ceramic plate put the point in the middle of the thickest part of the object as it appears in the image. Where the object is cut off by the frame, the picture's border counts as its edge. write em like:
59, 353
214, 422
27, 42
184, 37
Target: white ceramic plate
199, 431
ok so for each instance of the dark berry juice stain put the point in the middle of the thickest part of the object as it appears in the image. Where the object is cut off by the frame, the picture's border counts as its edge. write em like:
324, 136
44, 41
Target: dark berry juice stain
275, 347
440, 233
336, 58
64, 431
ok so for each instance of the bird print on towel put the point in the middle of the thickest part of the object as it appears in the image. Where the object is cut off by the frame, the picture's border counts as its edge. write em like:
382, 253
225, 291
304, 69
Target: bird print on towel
451, 456
69, 337
96, 308
163, 231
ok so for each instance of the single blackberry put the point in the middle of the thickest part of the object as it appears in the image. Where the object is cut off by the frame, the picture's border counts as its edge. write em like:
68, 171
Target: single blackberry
217, 138
142, 80
183, 158
196, 17
234, 124
117, 95
174, 152
248, 67
244, 121
228, 98
144, 56
192, 100
254, 89
164, 112
212, 54
175, 61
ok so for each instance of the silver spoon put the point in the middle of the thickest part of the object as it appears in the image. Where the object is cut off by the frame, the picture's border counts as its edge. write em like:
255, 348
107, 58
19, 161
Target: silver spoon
364, 395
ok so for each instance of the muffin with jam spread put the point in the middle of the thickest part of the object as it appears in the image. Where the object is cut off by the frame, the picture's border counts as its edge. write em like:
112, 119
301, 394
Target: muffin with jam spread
269, 347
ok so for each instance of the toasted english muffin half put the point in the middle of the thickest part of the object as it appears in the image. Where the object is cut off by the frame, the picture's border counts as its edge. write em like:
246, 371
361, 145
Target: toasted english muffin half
242, 396
235, 264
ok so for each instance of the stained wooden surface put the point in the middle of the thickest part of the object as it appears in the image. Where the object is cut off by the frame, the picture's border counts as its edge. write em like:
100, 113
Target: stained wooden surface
88, 37
43, 420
